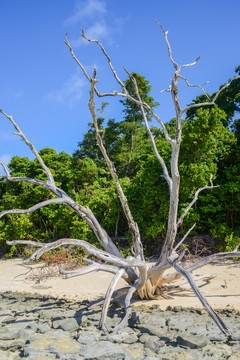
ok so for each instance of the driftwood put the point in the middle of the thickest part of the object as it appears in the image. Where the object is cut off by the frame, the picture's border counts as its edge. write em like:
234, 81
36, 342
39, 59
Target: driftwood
147, 283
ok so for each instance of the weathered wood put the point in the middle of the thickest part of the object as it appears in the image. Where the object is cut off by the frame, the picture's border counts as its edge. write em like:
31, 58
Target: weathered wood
146, 283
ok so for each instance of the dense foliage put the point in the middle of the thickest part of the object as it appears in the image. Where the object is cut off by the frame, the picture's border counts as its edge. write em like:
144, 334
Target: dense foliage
210, 145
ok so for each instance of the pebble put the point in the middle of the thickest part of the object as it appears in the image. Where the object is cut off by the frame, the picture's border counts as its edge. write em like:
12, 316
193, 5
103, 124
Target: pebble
35, 327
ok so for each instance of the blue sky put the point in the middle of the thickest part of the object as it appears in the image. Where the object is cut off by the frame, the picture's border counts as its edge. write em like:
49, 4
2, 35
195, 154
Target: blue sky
42, 87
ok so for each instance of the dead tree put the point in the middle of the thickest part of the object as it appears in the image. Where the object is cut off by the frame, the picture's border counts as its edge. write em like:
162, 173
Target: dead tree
147, 283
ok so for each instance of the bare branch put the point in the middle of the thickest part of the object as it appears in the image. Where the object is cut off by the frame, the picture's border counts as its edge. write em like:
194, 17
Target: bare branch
176, 66
25, 242
151, 137
91, 268
85, 213
138, 284
184, 237
32, 148
33, 208
89, 249
115, 295
109, 62
214, 99
5, 169
167, 90
199, 86
107, 300
187, 274
138, 249
236, 247
123, 94
180, 220
213, 257
191, 64
128, 310
168, 46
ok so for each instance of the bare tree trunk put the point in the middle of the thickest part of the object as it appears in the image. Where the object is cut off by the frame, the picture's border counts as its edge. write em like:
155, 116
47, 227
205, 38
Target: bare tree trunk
147, 283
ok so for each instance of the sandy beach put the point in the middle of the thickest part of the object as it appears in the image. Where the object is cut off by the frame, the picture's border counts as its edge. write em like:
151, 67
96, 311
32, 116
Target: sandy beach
223, 291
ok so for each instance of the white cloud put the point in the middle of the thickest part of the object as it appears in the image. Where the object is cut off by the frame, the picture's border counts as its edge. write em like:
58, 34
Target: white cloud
70, 92
86, 9
98, 21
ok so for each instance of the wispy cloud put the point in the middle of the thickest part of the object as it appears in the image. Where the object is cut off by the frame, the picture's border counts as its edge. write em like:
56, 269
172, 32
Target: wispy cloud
70, 92
18, 94
87, 9
5, 135
98, 21
96, 32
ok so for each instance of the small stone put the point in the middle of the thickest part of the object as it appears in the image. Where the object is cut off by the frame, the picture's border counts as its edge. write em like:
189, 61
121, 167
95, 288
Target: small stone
5, 334
39, 327
55, 342
134, 351
154, 343
5, 355
102, 350
25, 334
145, 337
194, 342
88, 337
66, 324
11, 344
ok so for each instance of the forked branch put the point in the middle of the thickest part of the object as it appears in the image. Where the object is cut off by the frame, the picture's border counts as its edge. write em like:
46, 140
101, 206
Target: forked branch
180, 220
212, 102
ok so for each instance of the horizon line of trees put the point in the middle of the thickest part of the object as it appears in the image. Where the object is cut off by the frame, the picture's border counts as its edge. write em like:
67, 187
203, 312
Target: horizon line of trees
210, 145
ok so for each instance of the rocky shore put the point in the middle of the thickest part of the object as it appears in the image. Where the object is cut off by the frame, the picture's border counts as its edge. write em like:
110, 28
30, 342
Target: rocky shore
35, 327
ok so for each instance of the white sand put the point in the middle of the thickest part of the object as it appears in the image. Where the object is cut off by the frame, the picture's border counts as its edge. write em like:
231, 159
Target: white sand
222, 292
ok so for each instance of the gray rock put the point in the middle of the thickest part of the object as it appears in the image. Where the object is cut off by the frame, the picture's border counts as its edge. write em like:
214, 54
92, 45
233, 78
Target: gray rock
157, 320
58, 343
192, 342
5, 334
50, 314
41, 356
170, 335
12, 344
133, 351
88, 337
126, 335
102, 350
24, 334
66, 324
145, 337
64, 314
39, 327
154, 343
7, 355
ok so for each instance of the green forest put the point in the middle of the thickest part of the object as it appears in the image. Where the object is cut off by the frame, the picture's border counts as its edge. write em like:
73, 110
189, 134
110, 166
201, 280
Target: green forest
210, 145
